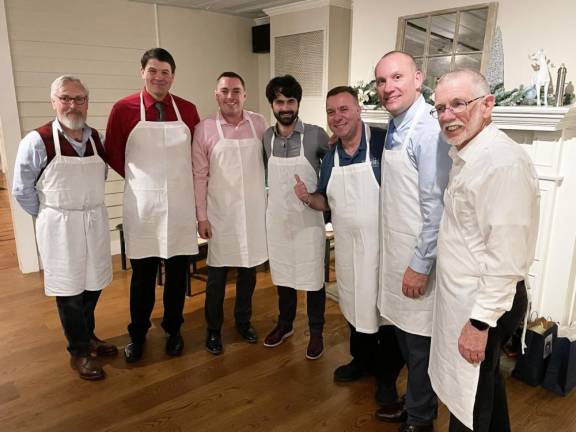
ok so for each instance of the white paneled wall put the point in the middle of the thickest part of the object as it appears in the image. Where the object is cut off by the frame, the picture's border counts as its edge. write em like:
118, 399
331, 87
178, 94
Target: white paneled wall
102, 42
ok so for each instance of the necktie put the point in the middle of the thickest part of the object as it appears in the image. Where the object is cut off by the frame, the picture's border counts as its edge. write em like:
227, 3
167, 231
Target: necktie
160, 107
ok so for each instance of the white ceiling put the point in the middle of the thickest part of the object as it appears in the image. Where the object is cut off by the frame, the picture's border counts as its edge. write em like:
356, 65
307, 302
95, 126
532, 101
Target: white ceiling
245, 8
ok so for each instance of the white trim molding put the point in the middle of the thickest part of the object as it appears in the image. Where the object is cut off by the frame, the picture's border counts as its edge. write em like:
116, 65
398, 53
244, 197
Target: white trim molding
306, 5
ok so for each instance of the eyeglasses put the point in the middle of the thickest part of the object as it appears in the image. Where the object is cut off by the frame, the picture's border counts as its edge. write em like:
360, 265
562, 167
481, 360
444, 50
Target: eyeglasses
78, 100
456, 106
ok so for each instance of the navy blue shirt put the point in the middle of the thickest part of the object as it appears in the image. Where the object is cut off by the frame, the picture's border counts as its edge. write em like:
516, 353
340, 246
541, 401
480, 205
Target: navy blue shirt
377, 138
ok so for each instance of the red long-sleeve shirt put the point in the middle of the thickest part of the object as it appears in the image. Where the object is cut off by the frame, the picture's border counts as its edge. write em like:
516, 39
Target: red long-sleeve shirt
125, 115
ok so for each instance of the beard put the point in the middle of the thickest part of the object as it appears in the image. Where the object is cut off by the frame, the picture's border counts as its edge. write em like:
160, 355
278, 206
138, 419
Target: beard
73, 120
286, 118
467, 133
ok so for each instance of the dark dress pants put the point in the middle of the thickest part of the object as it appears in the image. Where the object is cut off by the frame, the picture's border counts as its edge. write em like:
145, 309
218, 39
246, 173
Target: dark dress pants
77, 318
215, 291
491, 406
421, 402
143, 295
380, 354
315, 305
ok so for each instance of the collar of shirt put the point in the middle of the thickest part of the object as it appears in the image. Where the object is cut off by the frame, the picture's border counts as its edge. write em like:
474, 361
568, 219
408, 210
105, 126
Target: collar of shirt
470, 150
298, 128
149, 99
86, 132
403, 121
224, 122
345, 156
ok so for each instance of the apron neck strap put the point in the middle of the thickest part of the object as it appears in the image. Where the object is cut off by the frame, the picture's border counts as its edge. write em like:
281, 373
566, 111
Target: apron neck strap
143, 110
367, 134
56, 138
94, 152
413, 124
301, 141
221, 132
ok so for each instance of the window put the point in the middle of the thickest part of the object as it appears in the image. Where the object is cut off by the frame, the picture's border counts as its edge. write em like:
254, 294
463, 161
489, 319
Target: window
450, 39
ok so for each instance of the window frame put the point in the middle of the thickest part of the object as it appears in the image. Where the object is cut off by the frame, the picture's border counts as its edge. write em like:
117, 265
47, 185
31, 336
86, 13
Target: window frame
426, 56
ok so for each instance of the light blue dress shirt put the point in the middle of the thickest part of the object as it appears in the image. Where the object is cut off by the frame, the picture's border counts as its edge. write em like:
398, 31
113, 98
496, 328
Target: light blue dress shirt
429, 154
31, 160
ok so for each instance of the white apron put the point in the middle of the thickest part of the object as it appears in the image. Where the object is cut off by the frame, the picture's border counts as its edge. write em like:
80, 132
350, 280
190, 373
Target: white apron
72, 225
159, 214
353, 194
296, 233
237, 202
401, 225
454, 380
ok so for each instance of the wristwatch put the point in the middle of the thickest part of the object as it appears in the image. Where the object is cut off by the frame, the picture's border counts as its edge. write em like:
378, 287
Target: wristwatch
479, 325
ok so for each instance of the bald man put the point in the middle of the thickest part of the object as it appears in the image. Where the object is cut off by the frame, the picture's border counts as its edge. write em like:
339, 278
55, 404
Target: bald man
415, 167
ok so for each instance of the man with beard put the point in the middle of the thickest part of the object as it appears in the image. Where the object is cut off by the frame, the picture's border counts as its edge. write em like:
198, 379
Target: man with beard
349, 187
148, 141
59, 178
295, 232
230, 204
485, 248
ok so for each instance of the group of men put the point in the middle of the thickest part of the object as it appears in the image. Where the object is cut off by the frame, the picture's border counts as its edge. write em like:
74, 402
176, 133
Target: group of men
435, 223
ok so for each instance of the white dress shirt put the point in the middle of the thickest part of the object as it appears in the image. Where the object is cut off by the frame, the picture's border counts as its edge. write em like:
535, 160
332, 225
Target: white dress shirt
496, 204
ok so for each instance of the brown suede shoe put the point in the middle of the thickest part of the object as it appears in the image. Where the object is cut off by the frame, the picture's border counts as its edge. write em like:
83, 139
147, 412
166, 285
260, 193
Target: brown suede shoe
102, 348
87, 367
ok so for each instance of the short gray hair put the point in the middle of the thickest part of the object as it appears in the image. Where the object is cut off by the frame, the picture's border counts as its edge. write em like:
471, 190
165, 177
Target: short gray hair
59, 82
479, 83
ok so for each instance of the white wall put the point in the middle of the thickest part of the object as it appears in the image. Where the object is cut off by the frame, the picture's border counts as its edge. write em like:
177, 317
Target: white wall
102, 43
526, 25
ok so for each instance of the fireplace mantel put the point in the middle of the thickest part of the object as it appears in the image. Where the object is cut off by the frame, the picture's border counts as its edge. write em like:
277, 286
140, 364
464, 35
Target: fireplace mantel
527, 118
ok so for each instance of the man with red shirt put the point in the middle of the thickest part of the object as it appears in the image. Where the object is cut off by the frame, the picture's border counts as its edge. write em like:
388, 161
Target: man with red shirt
149, 143
59, 178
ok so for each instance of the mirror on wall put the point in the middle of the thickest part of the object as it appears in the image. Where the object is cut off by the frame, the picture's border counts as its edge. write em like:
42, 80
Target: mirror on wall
442, 41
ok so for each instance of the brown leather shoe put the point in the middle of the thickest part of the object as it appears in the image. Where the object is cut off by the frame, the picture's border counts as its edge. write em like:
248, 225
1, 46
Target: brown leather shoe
102, 348
87, 367
315, 347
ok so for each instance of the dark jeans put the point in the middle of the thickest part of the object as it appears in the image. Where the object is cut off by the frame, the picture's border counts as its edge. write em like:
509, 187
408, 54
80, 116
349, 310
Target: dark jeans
215, 291
143, 295
77, 318
491, 407
380, 354
421, 402
315, 304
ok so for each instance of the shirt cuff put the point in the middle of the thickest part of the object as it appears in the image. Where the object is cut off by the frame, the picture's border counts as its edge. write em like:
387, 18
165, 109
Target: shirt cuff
421, 265
487, 316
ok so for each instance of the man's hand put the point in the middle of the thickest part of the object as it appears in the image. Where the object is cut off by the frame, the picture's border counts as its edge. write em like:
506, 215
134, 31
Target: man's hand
301, 191
472, 343
205, 229
414, 283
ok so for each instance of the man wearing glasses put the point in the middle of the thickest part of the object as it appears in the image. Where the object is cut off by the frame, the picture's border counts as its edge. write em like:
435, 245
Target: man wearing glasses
59, 178
415, 167
485, 247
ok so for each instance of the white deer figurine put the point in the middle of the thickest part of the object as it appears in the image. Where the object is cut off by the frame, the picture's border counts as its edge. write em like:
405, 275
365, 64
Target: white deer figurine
541, 74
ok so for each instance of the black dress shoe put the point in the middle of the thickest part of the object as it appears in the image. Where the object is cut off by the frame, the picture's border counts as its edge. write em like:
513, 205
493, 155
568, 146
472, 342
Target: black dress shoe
405, 427
214, 342
247, 332
174, 345
393, 412
133, 352
349, 372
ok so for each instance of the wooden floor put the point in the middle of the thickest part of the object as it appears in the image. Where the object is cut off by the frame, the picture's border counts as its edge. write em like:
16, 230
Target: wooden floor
249, 388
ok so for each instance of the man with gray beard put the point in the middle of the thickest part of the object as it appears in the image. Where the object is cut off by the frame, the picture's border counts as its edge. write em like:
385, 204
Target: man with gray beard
59, 178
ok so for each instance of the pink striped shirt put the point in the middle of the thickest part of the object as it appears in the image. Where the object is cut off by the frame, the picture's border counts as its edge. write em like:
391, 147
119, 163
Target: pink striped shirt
205, 138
